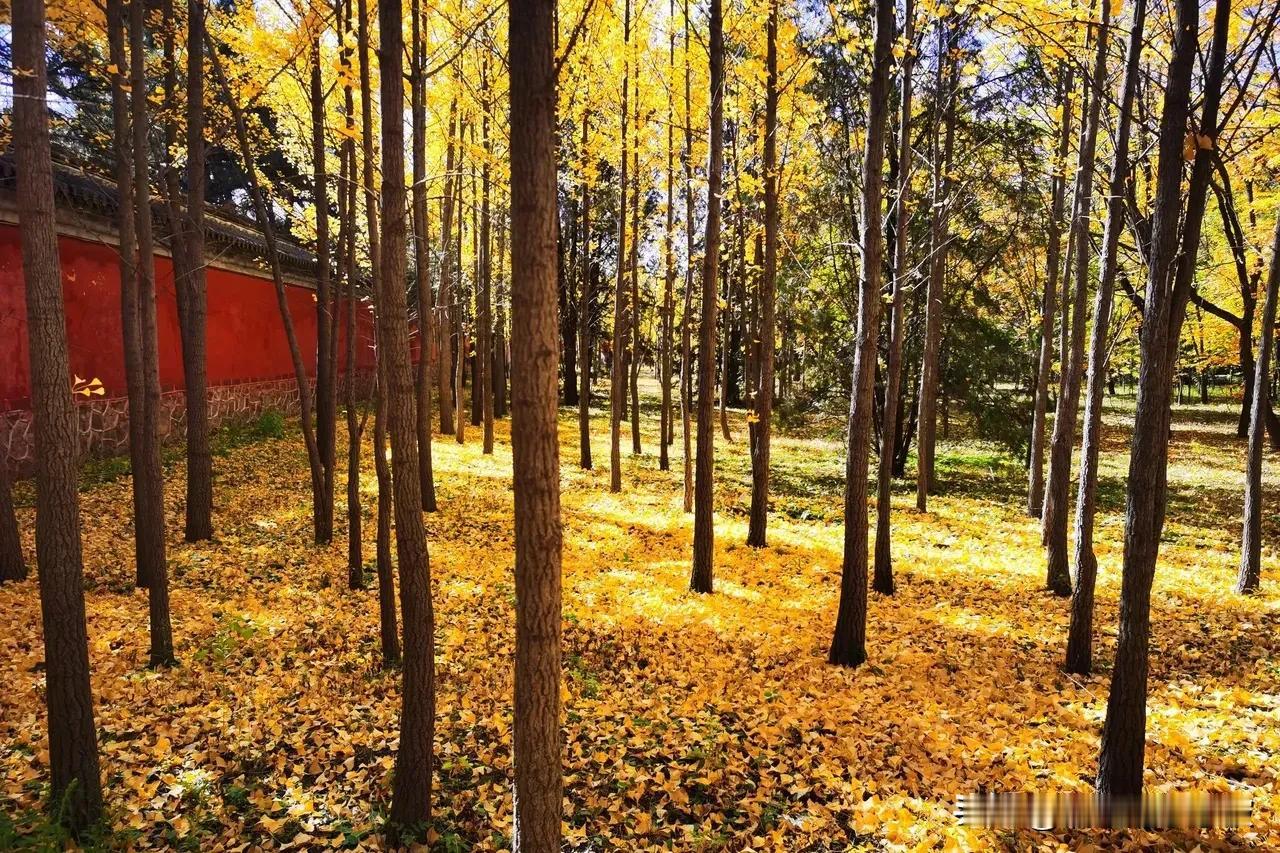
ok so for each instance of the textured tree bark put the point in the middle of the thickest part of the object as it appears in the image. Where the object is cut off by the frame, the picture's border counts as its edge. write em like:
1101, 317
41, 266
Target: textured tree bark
190, 290
1057, 498
326, 380
13, 566
76, 782
444, 376
760, 431
848, 643
1251, 540
422, 261
1049, 303
411, 789
585, 300
535, 444
148, 473
1120, 760
938, 241
1080, 635
686, 330
617, 359
882, 576
704, 495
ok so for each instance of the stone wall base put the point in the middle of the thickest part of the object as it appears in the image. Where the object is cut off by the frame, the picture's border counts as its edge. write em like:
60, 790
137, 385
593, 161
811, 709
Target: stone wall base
104, 423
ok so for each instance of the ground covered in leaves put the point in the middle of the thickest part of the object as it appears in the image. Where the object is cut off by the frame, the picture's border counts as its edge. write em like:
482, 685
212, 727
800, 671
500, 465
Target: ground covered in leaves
692, 722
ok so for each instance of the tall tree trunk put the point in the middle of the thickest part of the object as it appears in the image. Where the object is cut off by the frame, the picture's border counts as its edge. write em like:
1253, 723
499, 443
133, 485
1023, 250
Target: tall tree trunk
617, 360
191, 294
1080, 636
760, 431
13, 566
447, 310
633, 362
347, 268
686, 330
704, 495
73, 742
1048, 305
326, 381
669, 261
422, 261
939, 238
1251, 541
848, 644
586, 300
1057, 498
1120, 761
882, 580
484, 297
535, 444
411, 788
500, 324
139, 309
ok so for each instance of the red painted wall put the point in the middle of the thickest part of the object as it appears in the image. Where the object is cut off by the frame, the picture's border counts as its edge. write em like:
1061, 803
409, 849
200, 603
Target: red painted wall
246, 339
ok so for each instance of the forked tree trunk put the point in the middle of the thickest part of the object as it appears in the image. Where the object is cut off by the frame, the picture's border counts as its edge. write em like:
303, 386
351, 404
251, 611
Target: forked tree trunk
1080, 635
617, 360
1251, 541
76, 782
411, 788
1120, 760
848, 643
704, 495
1049, 302
1057, 499
760, 431
535, 444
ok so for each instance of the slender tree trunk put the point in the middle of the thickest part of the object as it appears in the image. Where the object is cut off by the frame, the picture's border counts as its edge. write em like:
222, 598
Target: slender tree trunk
1120, 761
882, 580
191, 294
13, 566
1080, 636
848, 644
387, 619
347, 268
411, 788
500, 328
1057, 498
939, 238
1035, 488
669, 260
422, 260
586, 300
484, 298
305, 404
535, 444
760, 431
326, 381
1251, 541
726, 285
686, 330
445, 373
633, 362
148, 473
617, 361
76, 782
704, 495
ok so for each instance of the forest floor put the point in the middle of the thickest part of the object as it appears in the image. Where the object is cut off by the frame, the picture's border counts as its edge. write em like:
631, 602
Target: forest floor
692, 722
